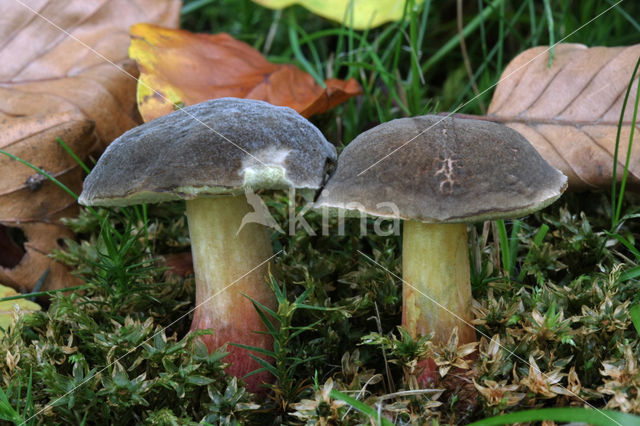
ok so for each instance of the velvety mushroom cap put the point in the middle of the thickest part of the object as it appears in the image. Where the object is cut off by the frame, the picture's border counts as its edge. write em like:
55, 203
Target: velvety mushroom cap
216, 147
452, 170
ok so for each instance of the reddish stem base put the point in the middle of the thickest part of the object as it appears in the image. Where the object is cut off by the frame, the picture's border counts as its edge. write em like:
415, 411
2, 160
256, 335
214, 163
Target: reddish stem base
429, 375
230, 265
239, 359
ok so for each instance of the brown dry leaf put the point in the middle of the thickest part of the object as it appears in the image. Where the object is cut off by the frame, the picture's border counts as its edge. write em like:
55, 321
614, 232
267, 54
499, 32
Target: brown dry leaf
53, 86
499, 393
547, 384
180, 67
570, 111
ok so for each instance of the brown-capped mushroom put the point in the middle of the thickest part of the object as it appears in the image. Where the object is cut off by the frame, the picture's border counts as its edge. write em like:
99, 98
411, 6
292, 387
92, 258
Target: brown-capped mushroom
209, 154
440, 174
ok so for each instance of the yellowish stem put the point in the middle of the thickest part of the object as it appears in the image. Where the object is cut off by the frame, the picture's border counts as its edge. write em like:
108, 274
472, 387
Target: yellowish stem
435, 263
226, 264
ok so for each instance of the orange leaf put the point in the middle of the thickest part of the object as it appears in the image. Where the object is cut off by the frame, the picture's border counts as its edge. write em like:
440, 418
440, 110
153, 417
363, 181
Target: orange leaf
179, 67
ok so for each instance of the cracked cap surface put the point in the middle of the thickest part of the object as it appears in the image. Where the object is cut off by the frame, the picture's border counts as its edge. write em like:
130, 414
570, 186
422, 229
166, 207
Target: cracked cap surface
217, 147
452, 170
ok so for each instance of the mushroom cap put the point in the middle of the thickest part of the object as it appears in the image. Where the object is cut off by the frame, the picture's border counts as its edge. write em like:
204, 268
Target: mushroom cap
441, 170
217, 147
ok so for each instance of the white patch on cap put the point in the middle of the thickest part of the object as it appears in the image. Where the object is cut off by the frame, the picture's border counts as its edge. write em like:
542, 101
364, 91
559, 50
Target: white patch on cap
268, 173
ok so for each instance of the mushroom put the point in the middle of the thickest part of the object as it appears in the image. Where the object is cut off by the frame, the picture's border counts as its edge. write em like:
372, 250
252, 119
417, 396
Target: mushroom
440, 174
209, 154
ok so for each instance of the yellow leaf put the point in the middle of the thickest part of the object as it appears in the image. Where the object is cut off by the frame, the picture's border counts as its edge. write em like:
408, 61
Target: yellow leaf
367, 13
7, 308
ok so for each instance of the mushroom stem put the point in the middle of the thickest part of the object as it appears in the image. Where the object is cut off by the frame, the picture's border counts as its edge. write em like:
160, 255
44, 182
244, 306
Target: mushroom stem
435, 262
222, 259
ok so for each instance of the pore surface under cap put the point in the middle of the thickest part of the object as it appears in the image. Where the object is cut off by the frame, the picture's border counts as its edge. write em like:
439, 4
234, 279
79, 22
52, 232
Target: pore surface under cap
216, 147
444, 170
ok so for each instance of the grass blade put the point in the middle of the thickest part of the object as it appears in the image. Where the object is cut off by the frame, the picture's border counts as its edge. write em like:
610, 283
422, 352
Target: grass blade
455, 40
64, 187
630, 274
586, 415
45, 293
505, 251
194, 6
363, 408
297, 52
634, 312
549, 15
42, 172
73, 155
616, 199
629, 245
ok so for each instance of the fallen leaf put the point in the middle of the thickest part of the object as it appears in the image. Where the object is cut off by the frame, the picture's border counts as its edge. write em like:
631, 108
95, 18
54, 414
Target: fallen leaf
182, 68
366, 13
9, 307
52, 85
570, 111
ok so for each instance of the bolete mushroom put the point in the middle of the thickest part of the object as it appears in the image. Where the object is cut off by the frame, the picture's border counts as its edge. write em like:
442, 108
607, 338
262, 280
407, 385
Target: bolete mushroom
209, 154
440, 174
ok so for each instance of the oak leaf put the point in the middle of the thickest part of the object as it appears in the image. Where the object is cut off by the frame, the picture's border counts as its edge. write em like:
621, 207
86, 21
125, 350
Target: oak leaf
178, 67
53, 85
570, 111
358, 14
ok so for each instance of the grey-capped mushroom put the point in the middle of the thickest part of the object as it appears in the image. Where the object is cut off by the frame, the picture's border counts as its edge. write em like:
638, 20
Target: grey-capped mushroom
210, 154
439, 174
